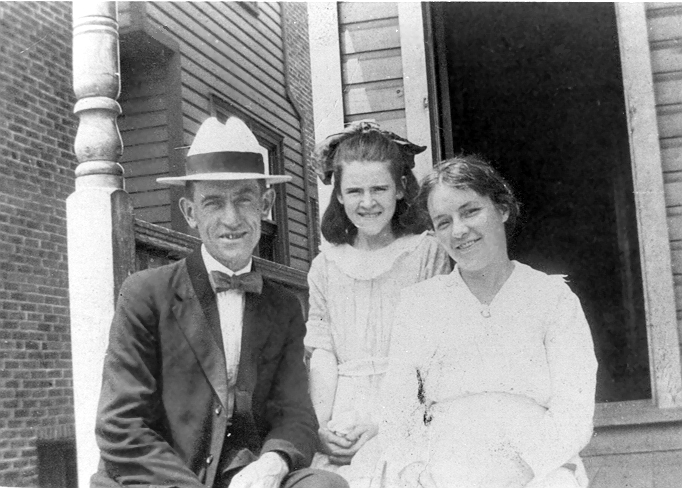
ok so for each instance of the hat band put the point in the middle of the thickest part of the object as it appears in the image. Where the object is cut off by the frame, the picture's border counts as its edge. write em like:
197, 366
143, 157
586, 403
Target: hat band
225, 162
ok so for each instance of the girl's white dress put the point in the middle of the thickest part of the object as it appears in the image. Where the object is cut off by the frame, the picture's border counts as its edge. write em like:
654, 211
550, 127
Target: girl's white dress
353, 297
472, 388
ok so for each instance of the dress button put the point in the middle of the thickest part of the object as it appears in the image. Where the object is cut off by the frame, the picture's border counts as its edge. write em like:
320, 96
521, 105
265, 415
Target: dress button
229, 434
209, 459
218, 409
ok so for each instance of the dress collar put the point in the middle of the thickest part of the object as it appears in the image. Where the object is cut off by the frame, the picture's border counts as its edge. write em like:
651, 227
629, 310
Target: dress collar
367, 265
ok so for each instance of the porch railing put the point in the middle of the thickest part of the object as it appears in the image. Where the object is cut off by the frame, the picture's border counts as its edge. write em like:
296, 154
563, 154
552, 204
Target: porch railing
156, 245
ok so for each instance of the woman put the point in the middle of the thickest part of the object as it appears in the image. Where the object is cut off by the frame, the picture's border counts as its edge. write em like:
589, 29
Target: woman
492, 375
377, 246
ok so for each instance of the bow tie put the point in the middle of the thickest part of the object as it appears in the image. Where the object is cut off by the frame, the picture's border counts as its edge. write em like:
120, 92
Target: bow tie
247, 282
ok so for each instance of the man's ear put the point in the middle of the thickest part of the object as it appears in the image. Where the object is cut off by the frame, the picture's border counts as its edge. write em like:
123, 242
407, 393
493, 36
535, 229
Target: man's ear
187, 209
268, 199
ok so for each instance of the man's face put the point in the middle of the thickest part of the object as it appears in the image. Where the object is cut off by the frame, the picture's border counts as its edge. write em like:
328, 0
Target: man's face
228, 215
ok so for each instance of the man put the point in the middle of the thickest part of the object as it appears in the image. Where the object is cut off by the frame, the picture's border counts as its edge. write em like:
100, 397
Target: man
204, 382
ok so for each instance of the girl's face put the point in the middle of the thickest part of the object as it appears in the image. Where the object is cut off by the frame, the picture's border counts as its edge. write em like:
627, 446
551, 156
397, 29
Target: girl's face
470, 226
369, 195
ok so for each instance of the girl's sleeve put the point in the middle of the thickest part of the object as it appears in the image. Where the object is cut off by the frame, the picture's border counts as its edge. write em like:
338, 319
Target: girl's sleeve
435, 260
318, 326
566, 426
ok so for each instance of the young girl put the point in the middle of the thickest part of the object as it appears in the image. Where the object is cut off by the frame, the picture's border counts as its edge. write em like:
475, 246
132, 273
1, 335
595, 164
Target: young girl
377, 245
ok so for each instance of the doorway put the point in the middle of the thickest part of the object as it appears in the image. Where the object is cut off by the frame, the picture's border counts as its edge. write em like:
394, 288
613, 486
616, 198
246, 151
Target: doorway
536, 88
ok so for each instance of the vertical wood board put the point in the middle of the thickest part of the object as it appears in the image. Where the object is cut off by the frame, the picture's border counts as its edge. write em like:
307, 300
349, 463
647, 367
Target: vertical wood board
664, 347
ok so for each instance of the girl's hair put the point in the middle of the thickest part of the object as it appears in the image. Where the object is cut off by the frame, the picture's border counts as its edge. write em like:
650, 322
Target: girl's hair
474, 173
372, 146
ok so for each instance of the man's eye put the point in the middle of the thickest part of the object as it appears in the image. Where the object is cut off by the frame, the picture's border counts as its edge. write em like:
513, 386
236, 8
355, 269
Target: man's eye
471, 212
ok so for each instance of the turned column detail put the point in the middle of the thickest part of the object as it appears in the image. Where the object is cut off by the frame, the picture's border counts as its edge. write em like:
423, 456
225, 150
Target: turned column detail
97, 85
100, 236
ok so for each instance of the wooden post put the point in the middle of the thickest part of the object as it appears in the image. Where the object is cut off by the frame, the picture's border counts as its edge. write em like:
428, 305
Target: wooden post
325, 67
415, 83
101, 242
647, 179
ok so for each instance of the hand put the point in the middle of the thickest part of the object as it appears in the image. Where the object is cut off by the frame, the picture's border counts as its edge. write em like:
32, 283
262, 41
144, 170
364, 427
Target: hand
267, 472
416, 475
356, 438
334, 445
360, 434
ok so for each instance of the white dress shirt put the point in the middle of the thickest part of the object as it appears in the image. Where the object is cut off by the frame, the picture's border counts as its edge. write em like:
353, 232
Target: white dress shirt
231, 313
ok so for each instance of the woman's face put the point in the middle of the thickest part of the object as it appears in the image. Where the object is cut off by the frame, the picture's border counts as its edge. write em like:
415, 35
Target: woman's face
369, 195
469, 226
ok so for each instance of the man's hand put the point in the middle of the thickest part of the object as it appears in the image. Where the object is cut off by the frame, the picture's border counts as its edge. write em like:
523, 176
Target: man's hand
267, 472
341, 449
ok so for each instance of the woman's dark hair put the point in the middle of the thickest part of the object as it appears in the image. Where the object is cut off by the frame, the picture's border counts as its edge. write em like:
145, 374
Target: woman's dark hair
372, 146
474, 173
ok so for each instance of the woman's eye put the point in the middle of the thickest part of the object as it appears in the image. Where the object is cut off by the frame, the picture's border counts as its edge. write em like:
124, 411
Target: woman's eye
441, 225
471, 211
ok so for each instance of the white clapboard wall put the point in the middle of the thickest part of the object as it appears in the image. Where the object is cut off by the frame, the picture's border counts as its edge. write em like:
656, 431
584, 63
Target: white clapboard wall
372, 68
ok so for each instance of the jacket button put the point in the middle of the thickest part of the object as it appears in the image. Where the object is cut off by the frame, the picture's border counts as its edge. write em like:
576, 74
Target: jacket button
209, 459
229, 434
218, 409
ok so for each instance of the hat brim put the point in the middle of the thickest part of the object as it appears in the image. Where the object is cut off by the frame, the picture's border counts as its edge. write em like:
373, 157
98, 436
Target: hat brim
181, 180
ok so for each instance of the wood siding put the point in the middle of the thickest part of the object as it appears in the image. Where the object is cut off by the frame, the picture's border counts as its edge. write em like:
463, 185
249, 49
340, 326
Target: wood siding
371, 64
143, 125
665, 37
236, 54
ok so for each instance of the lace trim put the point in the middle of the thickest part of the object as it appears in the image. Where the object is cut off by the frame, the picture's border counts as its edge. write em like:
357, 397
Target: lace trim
368, 265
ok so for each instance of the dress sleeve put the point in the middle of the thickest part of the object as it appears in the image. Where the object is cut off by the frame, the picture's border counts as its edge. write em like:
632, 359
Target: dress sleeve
402, 430
318, 334
566, 426
435, 260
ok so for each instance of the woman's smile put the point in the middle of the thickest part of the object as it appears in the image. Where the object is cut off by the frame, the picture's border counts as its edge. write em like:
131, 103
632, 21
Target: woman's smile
465, 246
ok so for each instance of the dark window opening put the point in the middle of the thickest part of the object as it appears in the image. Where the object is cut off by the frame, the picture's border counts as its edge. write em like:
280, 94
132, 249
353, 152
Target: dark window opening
537, 88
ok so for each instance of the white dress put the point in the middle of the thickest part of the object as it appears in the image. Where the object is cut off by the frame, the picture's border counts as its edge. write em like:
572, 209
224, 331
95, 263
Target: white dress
471, 388
353, 297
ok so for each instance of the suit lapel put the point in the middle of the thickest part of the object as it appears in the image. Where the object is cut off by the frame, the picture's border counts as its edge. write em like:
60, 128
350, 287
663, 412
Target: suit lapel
197, 314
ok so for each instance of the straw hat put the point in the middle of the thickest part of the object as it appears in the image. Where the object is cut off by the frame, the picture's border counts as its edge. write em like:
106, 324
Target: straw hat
226, 152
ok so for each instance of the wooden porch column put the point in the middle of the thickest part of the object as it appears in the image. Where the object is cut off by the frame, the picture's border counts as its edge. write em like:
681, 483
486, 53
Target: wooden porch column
100, 237
325, 68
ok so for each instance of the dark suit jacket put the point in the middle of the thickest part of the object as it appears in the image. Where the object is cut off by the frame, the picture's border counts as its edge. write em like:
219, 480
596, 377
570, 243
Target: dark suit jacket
161, 418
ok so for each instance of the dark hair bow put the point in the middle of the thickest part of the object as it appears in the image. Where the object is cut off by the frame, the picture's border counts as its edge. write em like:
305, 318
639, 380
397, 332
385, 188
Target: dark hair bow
323, 155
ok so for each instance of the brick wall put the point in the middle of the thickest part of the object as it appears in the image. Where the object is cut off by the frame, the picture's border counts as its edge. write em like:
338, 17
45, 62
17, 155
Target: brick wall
37, 128
299, 86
